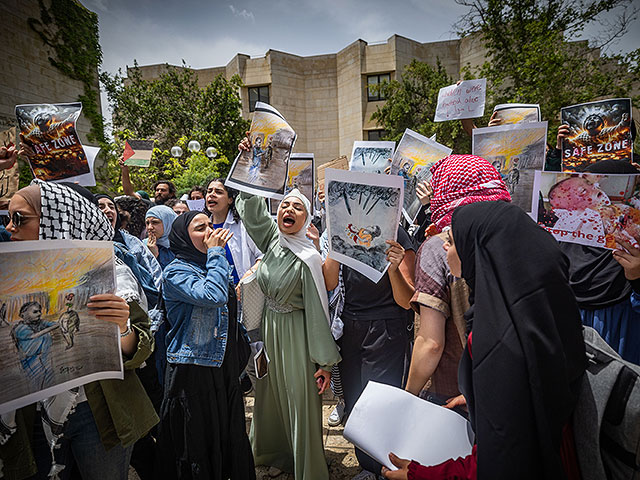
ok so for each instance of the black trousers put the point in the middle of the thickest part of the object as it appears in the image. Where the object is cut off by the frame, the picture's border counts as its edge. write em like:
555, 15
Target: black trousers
371, 350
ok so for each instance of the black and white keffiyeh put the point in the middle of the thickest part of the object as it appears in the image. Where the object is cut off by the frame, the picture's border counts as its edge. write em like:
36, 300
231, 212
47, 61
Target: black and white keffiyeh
67, 215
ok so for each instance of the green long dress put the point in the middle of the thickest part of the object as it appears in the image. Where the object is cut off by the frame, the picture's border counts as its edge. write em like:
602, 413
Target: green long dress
286, 431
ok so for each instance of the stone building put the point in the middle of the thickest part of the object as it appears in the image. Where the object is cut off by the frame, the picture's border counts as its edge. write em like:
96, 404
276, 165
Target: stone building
325, 98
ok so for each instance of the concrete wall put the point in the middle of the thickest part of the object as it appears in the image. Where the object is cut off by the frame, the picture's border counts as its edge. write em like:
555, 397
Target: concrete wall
27, 75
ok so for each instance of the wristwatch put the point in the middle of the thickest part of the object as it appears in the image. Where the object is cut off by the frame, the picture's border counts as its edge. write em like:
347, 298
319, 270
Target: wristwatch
128, 331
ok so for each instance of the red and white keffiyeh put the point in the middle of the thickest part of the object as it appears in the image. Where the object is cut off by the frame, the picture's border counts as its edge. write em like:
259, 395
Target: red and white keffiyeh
462, 179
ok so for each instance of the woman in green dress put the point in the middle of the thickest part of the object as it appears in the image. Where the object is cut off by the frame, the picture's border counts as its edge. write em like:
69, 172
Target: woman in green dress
286, 432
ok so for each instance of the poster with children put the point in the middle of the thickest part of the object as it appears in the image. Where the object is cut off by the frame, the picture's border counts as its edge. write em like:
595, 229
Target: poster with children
597, 131
300, 176
516, 151
363, 212
463, 100
50, 131
262, 170
412, 159
50, 342
587, 208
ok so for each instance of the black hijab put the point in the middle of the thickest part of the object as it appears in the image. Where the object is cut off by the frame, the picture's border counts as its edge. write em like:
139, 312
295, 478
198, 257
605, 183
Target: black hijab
527, 349
597, 280
117, 236
180, 241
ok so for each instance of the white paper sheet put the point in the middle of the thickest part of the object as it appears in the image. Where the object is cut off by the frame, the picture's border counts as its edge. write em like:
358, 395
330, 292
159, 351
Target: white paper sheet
461, 101
196, 205
388, 419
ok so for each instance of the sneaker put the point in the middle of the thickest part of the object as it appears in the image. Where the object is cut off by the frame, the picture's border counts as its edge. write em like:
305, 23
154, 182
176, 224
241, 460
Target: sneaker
337, 415
365, 475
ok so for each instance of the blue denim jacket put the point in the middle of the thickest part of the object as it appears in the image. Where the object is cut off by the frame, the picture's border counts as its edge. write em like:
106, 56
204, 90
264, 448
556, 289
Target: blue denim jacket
195, 300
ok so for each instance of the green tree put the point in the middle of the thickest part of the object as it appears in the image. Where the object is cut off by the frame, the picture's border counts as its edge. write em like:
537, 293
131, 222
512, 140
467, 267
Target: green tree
411, 103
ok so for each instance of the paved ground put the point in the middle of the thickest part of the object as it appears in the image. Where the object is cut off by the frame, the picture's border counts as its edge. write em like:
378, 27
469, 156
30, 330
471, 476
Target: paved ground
340, 455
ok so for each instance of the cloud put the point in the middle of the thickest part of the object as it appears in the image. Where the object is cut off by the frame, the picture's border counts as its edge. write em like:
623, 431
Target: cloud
244, 14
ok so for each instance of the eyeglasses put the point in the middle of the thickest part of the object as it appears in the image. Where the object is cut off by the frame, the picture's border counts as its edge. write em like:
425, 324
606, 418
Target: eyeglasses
16, 218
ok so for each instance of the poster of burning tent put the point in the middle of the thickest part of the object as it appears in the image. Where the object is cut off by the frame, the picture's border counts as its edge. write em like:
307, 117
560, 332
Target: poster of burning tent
511, 113
301, 176
363, 212
589, 209
50, 131
371, 157
412, 159
597, 131
49, 340
516, 151
262, 170
9, 177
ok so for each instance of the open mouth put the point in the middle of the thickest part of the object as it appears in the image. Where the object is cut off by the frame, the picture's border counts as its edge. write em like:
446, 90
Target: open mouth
288, 220
211, 203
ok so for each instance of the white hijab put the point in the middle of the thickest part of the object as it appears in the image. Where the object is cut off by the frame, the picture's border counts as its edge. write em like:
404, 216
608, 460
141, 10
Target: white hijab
302, 248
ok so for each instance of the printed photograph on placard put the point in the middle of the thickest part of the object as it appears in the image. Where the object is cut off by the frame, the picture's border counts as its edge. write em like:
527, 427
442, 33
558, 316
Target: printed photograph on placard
263, 169
9, 177
511, 113
412, 159
48, 339
50, 131
516, 151
363, 212
589, 209
300, 176
371, 157
598, 131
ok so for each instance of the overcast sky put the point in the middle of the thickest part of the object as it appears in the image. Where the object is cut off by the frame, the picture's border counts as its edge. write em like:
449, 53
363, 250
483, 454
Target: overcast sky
210, 33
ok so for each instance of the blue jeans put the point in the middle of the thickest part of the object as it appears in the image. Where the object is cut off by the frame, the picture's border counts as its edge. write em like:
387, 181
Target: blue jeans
81, 445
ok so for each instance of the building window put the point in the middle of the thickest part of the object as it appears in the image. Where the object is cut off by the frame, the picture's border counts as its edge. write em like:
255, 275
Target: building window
258, 94
375, 135
373, 81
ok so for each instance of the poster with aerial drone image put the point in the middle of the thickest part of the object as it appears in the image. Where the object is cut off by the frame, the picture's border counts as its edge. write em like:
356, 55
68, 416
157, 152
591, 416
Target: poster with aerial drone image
371, 157
597, 131
363, 212
50, 131
262, 170
50, 342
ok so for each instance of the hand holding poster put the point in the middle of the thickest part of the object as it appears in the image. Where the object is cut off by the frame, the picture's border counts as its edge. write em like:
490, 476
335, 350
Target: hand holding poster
516, 151
48, 339
589, 209
465, 100
598, 131
50, 131
413, 158
363, 212
510, 113
263, 169
371, 157
137, 153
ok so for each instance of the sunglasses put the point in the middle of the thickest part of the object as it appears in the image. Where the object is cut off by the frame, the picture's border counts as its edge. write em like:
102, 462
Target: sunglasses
16, 218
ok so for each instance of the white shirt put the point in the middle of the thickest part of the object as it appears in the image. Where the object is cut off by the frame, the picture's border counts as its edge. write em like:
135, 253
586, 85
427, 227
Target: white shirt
244, 252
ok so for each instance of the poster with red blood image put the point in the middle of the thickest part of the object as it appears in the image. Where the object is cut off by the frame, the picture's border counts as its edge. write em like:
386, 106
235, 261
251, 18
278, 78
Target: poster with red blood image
589, 209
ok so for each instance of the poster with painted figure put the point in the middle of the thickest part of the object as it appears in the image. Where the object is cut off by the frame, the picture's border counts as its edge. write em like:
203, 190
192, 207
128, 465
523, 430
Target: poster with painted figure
262, 170
588, 209
511, 113
412, 160
463, 100
301, 176
597, 131
49, 340
9, 177
363, 212
50, 131
371, 157
516, 151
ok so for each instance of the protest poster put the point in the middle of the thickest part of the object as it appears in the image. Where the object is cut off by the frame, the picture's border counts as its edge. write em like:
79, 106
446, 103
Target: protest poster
10, 177
597, 131
511, 113
340, 163
516, 151
300, 176
587, 208
388, 419
464, 100
363, 212
137, 153
412, 159
49, 341
263, 169
196, 205
50, 130
86, 179
371, 157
